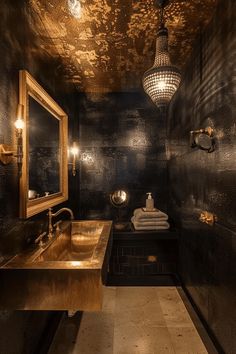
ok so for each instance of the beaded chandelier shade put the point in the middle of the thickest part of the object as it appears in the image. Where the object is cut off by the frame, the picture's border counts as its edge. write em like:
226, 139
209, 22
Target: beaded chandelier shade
162, 80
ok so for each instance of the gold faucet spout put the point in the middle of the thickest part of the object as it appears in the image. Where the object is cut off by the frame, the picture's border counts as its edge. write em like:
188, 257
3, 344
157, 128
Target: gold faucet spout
62, 210
52, 215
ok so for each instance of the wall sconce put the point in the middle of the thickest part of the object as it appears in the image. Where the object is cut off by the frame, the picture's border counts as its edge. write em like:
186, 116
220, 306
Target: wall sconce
6, 151
74, 150
19, 125
203, 139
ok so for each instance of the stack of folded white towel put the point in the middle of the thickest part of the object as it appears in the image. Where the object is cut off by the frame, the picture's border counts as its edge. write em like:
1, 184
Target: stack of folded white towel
150, 220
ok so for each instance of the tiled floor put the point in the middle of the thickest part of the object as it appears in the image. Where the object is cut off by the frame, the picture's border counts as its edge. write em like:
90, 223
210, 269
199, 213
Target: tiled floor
134, 320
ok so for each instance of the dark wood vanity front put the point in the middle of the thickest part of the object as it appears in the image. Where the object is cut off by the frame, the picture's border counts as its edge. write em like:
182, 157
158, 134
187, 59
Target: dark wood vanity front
144, 257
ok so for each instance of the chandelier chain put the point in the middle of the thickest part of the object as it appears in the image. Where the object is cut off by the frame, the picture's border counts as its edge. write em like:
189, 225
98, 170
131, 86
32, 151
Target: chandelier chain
162, 22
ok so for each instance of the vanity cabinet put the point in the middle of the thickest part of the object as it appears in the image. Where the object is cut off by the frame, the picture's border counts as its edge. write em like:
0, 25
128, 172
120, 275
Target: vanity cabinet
144, 257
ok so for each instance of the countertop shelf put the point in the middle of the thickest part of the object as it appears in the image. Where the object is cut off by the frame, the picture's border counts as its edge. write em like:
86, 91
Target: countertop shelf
128, 235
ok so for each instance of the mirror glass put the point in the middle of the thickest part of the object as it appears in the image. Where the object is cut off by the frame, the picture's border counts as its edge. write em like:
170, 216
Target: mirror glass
119, 198
204, 141
44, 151
44, 172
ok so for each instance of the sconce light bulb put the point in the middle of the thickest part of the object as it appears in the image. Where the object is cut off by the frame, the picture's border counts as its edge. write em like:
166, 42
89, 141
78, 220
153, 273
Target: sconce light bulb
74, 150
19, 124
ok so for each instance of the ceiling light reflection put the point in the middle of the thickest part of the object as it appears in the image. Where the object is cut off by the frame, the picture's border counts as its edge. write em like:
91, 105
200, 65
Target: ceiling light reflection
75, 8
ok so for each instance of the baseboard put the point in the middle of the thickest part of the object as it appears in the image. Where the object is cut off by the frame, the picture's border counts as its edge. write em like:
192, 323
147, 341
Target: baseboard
211, 335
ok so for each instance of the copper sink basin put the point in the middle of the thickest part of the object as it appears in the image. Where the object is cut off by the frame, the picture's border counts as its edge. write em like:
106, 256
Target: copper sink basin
65, 274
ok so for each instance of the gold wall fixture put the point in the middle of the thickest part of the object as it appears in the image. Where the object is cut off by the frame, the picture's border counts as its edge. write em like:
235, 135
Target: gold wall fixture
6, 151
208, 130
19, 125
74, 151
208, 218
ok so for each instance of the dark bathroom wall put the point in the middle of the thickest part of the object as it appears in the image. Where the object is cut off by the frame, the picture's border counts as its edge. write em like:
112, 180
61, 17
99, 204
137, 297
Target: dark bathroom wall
123, 145
207, 181
21, 49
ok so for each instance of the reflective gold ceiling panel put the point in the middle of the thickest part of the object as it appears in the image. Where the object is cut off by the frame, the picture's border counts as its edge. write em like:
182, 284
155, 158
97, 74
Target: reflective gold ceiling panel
113, 43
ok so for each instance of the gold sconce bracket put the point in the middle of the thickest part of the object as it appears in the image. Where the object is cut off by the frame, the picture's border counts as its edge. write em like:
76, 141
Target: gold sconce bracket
208, 218
208, 130
6, 154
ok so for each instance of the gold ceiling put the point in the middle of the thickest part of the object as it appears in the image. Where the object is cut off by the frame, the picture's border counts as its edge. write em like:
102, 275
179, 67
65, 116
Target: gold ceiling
113, 43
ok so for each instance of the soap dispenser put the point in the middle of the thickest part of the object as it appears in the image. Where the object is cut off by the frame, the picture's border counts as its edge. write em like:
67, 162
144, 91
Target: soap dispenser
149, 202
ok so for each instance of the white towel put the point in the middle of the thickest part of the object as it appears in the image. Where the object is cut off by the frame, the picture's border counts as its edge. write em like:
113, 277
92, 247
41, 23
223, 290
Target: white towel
140, 214
162, 226
149, 222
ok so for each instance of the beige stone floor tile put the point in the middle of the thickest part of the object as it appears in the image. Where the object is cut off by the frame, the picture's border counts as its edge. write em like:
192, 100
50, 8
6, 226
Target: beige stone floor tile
138, 306
109, 299
173, 309
134, 320
186, 341
142, 340
149, 314
96, 334
134, 297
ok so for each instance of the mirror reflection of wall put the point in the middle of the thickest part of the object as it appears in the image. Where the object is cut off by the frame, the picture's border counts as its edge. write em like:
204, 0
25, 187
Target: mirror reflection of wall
44, 151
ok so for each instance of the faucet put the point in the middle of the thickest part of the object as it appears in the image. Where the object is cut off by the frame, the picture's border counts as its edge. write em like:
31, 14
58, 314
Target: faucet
52, 215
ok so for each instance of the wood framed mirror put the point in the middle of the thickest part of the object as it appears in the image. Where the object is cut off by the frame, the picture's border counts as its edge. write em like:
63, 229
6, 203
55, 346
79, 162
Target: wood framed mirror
44, 173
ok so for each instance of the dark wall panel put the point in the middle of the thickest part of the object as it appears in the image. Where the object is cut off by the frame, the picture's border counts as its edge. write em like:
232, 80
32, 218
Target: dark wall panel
201, 181
123, 145
21, 49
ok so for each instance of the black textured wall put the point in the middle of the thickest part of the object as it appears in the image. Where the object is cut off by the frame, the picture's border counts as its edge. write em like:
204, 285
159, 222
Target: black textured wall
123, 145
201, 181
20, 49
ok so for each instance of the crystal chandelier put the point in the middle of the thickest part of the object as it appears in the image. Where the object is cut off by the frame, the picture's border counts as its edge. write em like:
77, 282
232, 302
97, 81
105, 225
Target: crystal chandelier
162, 80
